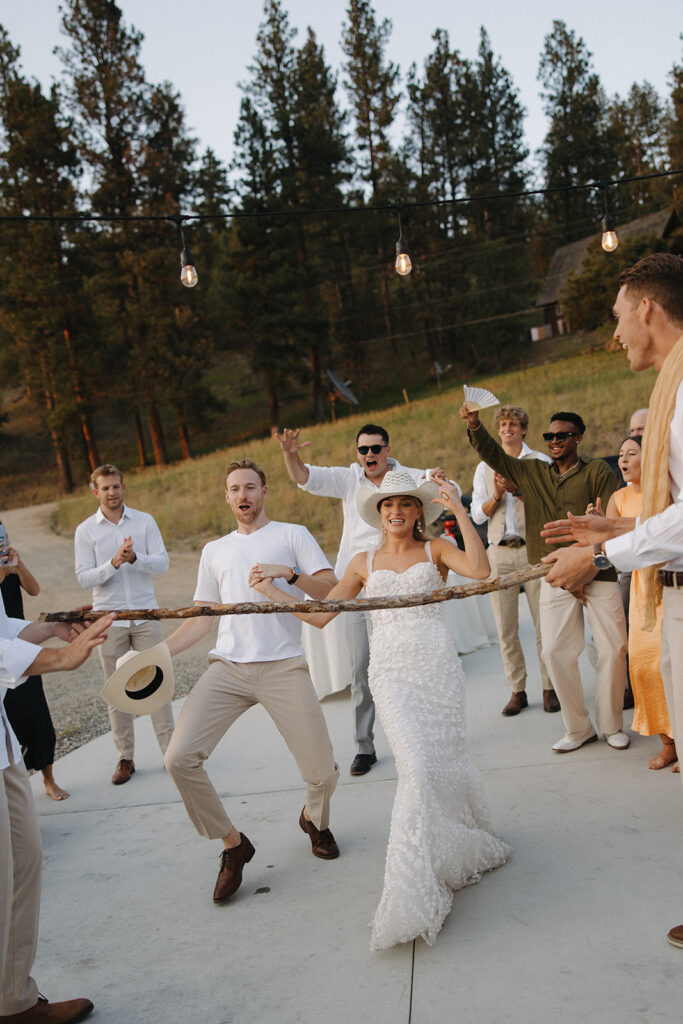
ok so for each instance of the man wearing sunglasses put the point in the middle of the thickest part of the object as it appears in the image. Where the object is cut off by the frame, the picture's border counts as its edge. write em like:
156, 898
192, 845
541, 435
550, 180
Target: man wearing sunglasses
568, 484
346, 637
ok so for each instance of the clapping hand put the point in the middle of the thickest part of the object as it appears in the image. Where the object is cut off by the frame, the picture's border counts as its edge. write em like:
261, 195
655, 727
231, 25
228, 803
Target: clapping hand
593, 528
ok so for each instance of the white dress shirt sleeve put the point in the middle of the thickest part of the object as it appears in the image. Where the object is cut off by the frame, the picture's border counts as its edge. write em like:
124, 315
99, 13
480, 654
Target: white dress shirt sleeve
327, 481
155, 559
658, 539
16, 655
480, 495
88, 573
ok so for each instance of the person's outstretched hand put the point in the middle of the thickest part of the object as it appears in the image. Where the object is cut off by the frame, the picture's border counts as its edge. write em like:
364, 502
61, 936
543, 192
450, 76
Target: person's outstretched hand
289, 440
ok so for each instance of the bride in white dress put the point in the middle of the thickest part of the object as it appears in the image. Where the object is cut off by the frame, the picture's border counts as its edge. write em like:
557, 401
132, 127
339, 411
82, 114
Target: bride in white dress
440, 838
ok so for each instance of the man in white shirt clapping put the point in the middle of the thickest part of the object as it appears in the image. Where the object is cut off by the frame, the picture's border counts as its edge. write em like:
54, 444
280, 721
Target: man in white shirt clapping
117, 551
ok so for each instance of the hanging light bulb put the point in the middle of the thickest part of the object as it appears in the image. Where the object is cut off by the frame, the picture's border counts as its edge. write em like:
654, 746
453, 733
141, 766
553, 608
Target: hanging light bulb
403, 264
609, 236
609, 240
188, 272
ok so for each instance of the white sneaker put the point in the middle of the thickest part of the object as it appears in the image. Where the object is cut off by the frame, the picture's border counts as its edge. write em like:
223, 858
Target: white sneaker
619, 740
566, 744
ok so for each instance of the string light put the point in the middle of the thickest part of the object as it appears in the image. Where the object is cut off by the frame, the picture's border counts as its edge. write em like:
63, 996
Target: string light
188, 271
403, 264
609, 240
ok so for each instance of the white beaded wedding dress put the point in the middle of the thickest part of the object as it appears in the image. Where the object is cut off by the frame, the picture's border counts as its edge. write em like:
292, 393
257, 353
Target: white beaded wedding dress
440, 838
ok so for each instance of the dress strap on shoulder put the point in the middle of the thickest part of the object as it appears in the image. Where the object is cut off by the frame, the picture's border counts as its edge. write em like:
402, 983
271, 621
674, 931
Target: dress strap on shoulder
428, 551
371, 557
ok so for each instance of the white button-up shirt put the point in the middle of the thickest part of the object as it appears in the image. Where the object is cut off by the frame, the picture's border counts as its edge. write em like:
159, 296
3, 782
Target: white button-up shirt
480, 494
659, 538
130, 586
16, 655
344, 482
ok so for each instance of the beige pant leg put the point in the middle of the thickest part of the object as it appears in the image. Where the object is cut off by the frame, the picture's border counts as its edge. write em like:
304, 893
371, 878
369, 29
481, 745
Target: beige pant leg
21, 860
562, 632
605, 611
219, 697
505, 607
119, 641
532, 589
285, 690
672, 659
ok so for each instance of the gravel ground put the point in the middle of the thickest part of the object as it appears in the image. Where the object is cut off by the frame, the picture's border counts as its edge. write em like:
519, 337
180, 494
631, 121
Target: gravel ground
78, 712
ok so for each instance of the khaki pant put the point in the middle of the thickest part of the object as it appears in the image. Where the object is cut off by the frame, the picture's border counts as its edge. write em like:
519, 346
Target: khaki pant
21, 861
225, 691
562, 630
119, 641
505, 605
672, 659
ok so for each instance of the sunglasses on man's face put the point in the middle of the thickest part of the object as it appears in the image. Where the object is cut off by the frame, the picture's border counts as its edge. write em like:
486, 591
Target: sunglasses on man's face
363, 449
561, 435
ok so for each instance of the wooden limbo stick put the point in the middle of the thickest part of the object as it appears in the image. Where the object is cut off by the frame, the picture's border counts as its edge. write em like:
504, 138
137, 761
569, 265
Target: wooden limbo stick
512, 579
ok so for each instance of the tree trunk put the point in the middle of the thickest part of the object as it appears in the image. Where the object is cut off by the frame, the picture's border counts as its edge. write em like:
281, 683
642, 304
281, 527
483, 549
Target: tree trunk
61, 454
183, 435
157, 434
274, 406
140, 437
91, 449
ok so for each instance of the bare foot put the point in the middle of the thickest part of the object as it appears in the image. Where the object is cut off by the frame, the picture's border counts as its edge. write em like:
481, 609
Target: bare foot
667, 755
675, 767
54, 791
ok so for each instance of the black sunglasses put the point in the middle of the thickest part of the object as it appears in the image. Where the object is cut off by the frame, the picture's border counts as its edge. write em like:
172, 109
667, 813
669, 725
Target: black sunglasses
561, 435
363, 449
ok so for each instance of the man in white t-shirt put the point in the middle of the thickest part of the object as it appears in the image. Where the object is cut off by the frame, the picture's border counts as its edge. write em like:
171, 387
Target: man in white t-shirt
347, 636
258, 659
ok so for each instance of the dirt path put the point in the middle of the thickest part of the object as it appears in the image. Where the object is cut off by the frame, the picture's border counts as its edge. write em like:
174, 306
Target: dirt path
78, 712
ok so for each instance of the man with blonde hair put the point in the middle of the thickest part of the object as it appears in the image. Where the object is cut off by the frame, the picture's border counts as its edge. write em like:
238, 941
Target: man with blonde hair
117, 551
499, 502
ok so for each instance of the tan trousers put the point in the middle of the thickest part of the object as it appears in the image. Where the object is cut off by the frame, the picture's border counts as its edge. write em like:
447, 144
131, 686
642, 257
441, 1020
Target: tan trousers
221, 695
562, 630
672, 659
119, 641
505, 605
21, 861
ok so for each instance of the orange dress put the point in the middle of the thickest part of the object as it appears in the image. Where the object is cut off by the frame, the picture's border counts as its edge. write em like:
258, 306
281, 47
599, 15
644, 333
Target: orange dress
651, 714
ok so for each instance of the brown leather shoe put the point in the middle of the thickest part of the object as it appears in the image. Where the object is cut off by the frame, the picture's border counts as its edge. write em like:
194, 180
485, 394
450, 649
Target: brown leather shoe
44, 1012
675, 936
550, 701
517, 702
124, 770
230, 874
322, 842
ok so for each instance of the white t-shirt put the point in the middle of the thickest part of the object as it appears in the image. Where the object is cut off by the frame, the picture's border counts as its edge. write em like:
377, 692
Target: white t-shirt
223, 578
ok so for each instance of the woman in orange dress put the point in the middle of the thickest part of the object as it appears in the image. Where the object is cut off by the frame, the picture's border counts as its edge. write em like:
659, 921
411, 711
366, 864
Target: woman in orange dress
651, 715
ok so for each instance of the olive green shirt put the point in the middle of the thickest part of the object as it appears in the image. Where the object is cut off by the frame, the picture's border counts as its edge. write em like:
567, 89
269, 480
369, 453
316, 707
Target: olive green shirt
547, 496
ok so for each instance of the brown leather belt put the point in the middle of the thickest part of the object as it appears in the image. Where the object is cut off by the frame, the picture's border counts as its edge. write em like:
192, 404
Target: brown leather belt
512, 542
670, 579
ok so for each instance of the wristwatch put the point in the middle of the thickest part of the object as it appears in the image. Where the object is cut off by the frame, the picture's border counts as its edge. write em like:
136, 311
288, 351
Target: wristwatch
296, 572
600, 559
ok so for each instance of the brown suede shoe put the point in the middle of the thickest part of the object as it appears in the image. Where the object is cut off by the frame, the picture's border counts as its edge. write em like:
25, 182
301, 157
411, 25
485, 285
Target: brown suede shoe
230, 875
550, 701
517, 702
124, 770
322, 842
51, 1013
675, 936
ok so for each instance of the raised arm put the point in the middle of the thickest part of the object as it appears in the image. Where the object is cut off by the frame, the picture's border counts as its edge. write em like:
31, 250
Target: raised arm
473, 561
26, 577
348, 587
291, 446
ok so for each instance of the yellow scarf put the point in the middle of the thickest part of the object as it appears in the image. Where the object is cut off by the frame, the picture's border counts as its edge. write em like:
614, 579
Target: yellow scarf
655, 474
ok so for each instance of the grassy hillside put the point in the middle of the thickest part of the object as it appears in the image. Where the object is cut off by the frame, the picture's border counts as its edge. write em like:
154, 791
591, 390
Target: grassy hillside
187, 499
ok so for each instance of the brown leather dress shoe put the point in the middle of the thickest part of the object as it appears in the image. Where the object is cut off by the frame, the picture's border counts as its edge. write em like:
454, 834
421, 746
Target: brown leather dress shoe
230, 874
675, 936
517, 702
124, 770
44, 1012
322, 842
550, 701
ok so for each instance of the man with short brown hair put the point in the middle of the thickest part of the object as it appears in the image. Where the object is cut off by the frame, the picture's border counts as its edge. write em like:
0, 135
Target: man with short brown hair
117, 550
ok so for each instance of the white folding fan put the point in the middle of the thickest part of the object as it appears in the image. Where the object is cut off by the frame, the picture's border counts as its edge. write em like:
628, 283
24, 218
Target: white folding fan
479, 398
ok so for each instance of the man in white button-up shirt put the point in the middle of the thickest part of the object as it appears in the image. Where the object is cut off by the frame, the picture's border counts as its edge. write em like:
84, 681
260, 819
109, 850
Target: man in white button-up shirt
21, 852
347, 635
117, 551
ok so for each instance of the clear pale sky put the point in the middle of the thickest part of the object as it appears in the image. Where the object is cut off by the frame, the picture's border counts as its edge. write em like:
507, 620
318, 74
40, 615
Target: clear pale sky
204, 46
